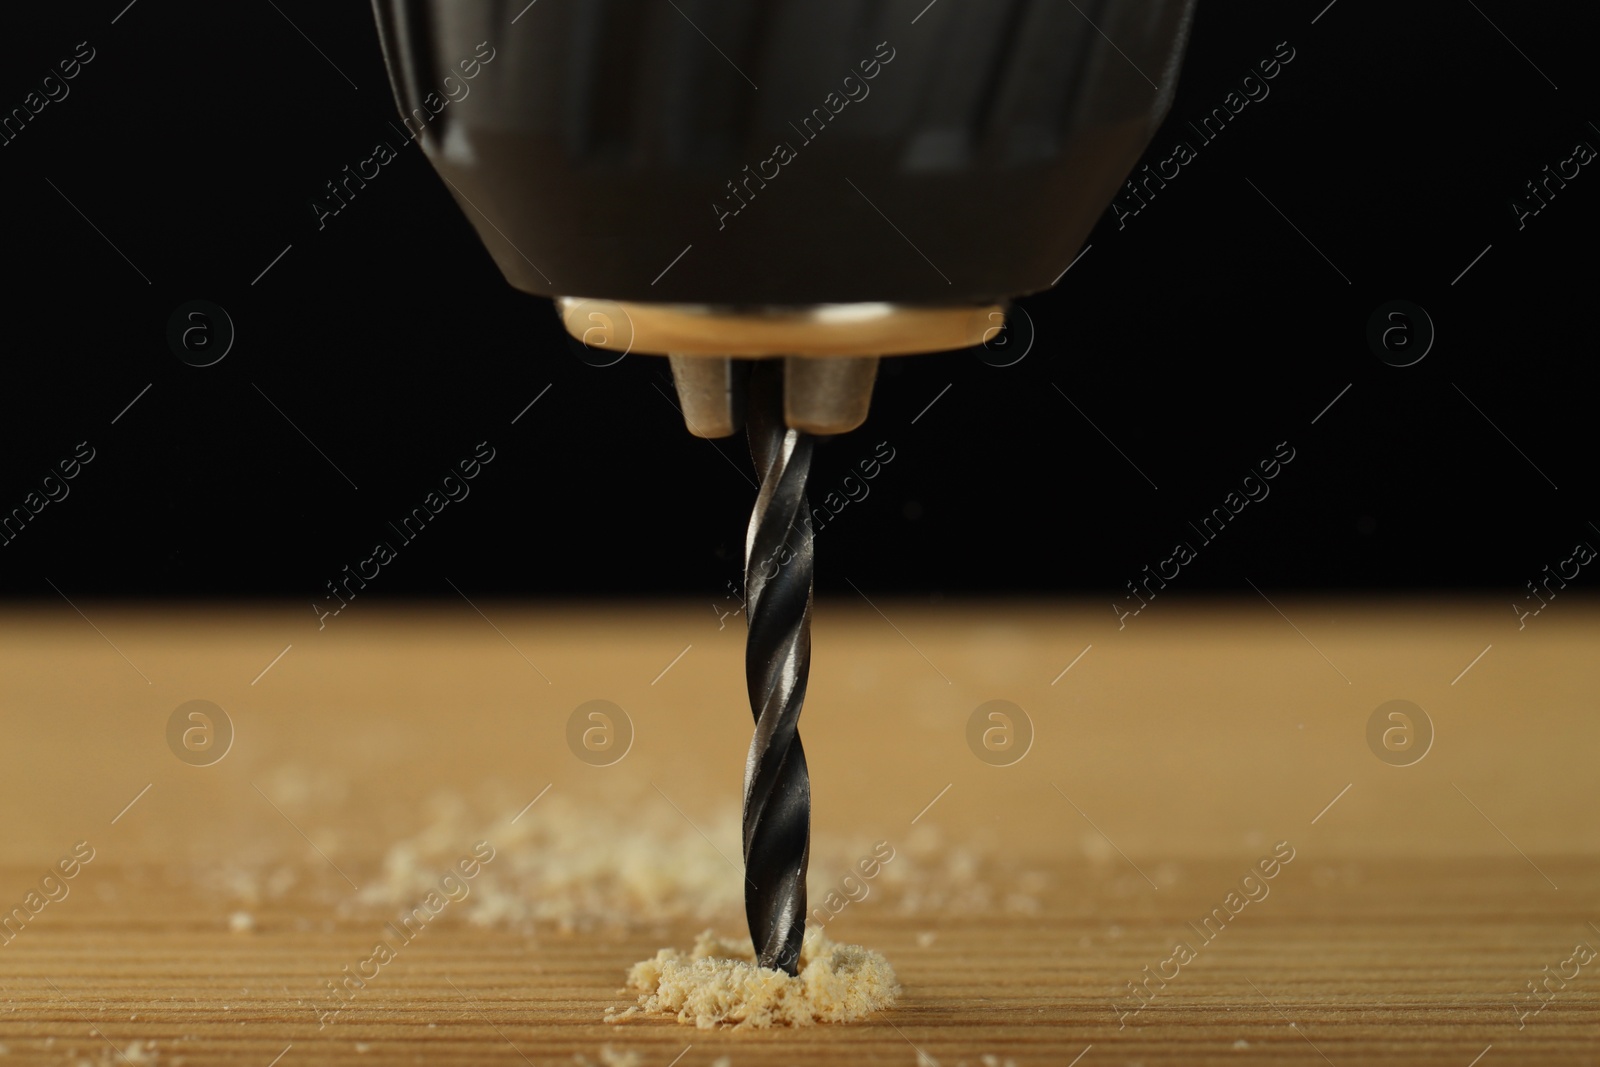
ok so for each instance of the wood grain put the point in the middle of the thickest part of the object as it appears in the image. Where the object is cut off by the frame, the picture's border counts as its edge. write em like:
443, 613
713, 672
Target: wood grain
1173, 755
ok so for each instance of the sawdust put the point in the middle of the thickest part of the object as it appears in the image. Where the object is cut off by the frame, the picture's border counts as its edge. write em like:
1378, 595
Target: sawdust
137, 1053
567, 865
571, 865
718, 984
610, 1057
574, 866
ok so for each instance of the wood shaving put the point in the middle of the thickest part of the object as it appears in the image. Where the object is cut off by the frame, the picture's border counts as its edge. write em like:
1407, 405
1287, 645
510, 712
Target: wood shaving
718, 984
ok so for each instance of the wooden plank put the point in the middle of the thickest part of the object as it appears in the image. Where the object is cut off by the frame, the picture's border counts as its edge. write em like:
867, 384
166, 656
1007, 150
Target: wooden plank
1173, 756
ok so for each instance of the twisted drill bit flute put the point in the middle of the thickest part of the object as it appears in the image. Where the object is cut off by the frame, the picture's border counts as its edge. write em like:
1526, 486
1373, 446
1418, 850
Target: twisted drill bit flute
777, 787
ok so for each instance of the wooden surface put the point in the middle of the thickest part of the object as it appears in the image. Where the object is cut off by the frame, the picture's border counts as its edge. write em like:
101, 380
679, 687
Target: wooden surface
1170, 758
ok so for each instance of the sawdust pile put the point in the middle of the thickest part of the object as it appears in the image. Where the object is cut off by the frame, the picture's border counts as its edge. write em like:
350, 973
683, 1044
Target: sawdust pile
718, 984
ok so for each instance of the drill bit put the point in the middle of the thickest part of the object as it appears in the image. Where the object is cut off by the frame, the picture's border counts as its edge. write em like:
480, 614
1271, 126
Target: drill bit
777, 787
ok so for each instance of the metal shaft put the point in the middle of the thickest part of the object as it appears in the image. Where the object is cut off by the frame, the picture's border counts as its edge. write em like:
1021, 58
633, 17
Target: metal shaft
777, 787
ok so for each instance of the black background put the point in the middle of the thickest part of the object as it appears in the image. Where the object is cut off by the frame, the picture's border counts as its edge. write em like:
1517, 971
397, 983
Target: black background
1196, 337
